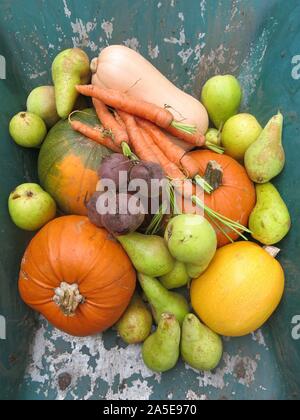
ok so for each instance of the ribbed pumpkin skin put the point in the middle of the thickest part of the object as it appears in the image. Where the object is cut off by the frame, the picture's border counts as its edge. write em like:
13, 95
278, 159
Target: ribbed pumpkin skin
70, 249
235, 198
68, 164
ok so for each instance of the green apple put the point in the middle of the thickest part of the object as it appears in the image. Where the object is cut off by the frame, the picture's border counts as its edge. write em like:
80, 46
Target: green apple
239, 132
27, 129
192, 240
41, 102
221, 96
30, 207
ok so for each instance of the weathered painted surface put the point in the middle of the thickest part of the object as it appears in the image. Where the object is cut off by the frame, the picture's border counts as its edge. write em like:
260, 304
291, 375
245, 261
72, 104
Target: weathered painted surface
258, 40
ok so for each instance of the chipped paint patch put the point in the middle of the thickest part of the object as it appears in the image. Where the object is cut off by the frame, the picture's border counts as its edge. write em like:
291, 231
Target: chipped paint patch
242, 368
36, 75
82, 30
108, 27
192, 396
67, 11
132, 43
202, 8
260, 339
139, 390
252, 66
185, 55
179, 41
153, 51
54, 353
181, 16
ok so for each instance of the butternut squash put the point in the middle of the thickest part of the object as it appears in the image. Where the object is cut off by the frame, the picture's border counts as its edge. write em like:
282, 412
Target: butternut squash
119, 67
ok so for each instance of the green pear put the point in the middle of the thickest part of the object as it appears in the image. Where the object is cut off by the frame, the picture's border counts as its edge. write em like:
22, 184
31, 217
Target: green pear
201, 348
41, 102
194, 270
178, 277
70, 68
221, 96
213, 136
136, 323
239, 132
162, 300
192, 240
270, 220
160, 351
30, 207
148, 253
265, 158
27, 129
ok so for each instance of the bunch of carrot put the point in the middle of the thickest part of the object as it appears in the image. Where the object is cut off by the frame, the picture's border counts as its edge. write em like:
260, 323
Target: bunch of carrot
139, 125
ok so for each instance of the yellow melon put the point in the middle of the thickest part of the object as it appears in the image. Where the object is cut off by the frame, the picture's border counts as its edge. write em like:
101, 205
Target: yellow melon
239, 291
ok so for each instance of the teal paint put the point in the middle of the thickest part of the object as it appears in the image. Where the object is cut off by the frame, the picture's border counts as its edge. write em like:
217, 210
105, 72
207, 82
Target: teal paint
257, 40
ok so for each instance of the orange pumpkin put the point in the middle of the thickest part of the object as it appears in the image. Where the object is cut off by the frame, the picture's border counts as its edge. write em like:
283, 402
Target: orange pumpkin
234, 193
77, 276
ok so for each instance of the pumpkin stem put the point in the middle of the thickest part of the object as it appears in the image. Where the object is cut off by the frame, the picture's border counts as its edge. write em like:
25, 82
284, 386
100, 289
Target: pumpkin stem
68, 298
214, 174
272, 250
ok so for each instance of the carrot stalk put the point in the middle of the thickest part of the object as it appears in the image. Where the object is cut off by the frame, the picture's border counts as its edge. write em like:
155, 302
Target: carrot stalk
159, 116
94, 134
118, 133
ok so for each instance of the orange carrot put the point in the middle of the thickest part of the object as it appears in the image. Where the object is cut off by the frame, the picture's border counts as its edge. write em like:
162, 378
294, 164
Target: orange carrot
172, 151
119, 120
109, 122
95, 135
140, 147
171, 170
159, 116
196, 139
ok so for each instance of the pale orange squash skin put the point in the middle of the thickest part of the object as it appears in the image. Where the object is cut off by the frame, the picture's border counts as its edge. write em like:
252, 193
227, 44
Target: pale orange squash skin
70, 249
239, 291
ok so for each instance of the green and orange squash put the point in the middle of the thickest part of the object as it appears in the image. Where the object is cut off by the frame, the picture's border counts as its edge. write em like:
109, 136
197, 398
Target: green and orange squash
68, 164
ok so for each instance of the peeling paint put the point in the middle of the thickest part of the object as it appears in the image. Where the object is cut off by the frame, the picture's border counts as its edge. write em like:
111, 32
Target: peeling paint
82, 31
108, 28
36, 75
181, 16
259, 338
192, 396
132, 43
251, 67
242, 368
180, 41
202, 8
185, 55
67, 11
153, 51
48, 362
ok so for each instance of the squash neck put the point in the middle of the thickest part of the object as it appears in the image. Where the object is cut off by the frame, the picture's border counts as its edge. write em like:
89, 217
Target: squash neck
68, 298
214, 174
